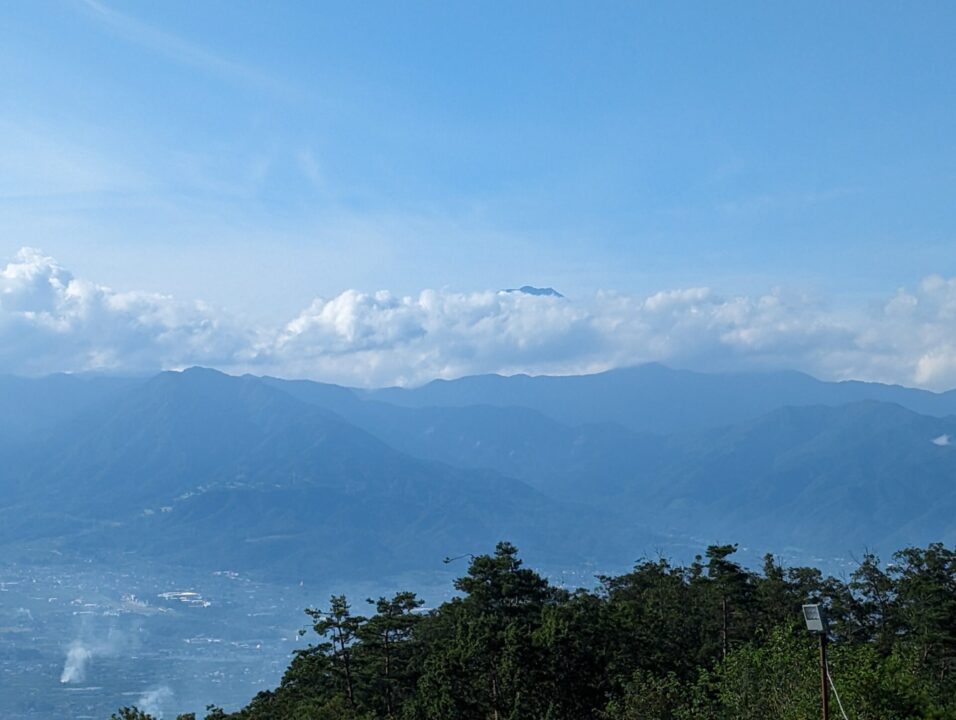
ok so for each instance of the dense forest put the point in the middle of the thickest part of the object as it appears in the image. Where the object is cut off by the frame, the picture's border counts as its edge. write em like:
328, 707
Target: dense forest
709, 641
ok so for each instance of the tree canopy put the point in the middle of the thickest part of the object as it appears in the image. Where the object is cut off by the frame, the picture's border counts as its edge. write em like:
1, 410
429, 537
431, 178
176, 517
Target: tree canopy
711, 641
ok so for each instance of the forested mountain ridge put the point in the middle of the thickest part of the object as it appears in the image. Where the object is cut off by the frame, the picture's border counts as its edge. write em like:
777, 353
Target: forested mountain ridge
655, 398
816, 477
247, 472
203, 468
865, 474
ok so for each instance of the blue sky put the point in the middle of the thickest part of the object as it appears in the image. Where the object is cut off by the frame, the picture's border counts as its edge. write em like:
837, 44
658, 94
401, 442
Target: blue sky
257, 156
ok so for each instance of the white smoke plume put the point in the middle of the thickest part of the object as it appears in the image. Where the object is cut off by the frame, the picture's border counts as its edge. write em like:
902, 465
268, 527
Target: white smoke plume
154, 702
78, 657
91, 643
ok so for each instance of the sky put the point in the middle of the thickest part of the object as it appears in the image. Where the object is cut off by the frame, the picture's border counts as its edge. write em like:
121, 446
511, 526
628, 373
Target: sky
340, 190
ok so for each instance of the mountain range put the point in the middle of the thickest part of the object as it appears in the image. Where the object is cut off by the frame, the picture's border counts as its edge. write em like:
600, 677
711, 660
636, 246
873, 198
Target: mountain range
292, 477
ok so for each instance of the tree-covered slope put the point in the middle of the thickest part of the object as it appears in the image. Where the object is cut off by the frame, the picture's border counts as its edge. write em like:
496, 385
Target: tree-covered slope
839, 478
259, 472
710, 640
200, 467
809, 478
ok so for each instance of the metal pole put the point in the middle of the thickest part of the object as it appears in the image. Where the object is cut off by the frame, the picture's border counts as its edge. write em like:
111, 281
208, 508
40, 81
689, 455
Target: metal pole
824, 682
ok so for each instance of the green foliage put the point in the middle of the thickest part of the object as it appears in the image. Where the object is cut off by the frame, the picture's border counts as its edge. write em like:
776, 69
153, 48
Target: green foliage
647, 695
778, 678
712, 641
131, 713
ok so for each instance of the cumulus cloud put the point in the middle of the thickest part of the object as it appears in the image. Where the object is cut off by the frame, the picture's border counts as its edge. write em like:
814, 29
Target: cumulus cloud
384, 338
52, 321
380, 338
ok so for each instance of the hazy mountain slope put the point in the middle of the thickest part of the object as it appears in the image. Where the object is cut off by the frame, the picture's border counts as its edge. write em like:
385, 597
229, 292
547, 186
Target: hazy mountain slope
204, 468
342, 400
514, 441
655, 398
827, 479
830, 479
31, 405
246, 472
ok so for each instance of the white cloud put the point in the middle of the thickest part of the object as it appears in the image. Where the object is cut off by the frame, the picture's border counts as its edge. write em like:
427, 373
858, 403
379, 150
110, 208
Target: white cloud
39, 161
52, 321
176, 48
381, 338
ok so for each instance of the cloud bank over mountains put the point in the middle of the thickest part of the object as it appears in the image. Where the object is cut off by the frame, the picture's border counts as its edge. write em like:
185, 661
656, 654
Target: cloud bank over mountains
51, 321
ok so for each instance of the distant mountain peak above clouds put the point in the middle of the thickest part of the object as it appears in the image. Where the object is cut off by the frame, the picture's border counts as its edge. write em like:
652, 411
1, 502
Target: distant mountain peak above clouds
375, 339
531, 290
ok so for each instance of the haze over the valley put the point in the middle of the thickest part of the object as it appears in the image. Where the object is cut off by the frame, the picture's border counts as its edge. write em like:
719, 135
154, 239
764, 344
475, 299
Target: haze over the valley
576, 345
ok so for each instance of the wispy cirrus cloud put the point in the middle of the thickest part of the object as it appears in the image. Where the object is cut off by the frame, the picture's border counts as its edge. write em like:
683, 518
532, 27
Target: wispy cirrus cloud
52, 321
180, 50
39, 163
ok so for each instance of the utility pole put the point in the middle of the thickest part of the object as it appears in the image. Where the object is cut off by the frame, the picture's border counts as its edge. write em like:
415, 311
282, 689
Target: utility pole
824, 681
816, 619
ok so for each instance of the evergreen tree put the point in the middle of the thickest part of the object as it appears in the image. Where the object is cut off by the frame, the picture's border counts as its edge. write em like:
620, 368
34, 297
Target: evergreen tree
385, 653
712, 641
